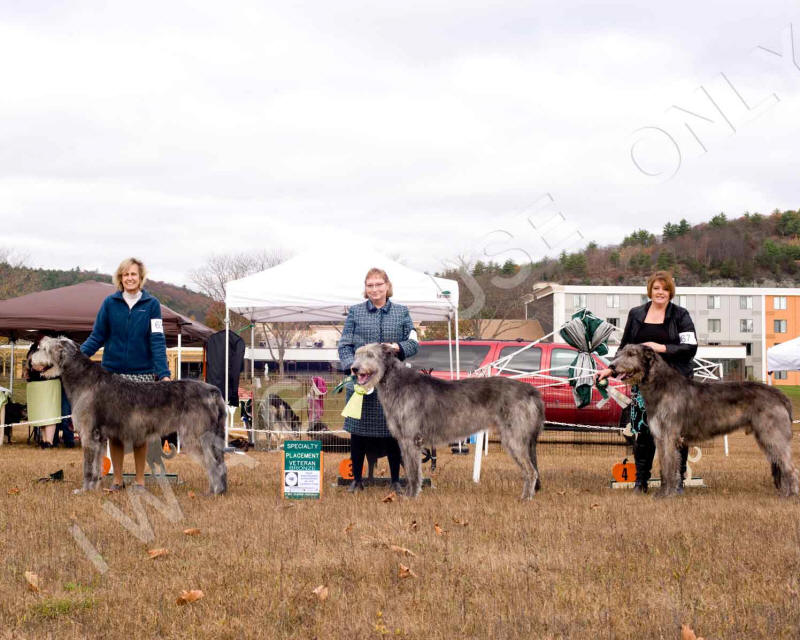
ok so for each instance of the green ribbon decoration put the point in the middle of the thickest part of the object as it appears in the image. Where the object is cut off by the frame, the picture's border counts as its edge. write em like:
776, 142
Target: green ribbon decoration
588, 334
356, 402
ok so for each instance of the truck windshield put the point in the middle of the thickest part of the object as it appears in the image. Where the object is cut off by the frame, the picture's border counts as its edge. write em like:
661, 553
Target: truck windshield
437, 358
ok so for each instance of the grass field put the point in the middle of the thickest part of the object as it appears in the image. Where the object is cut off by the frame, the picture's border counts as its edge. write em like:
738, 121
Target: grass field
580, 561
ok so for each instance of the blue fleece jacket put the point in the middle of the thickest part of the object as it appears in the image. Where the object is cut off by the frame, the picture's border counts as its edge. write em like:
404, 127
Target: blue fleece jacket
133, 339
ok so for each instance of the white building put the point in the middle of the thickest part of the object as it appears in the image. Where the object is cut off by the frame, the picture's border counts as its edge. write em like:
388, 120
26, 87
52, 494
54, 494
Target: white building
734, 325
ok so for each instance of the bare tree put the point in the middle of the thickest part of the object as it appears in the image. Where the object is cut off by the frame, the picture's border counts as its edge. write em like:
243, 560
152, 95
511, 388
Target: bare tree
220, 269
281, 336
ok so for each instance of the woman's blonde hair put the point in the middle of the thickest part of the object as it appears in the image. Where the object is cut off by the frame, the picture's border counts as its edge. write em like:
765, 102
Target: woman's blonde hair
116, 279
665, 277
379, 272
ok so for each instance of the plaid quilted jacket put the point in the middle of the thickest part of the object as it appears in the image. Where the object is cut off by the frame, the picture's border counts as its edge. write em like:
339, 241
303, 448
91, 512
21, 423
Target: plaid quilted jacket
366, 324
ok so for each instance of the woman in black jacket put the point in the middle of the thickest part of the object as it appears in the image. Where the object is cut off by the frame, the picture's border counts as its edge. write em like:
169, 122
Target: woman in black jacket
668, 330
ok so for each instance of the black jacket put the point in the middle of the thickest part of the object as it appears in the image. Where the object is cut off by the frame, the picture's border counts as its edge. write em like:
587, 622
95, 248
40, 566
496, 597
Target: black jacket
682, 345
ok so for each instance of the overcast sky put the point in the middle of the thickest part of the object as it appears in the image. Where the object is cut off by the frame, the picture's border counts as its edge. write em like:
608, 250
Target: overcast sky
433, 129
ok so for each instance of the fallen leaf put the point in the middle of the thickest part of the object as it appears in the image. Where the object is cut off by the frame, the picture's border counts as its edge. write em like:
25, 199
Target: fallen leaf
33, 580
390, 497
595, 505
73, 516
687, 633
156, 553
13, 491
439, 531
189, 596
349, 527
403, 550
321, 592
192, 495
460, 523
404, 572
192, 531
413, 526
561, 493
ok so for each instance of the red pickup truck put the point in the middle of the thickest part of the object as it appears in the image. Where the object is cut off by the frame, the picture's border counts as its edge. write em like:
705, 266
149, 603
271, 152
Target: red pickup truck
553, 358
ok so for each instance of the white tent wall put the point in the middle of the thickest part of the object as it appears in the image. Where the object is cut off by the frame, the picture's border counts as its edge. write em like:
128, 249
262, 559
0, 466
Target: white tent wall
316, 287
784, 356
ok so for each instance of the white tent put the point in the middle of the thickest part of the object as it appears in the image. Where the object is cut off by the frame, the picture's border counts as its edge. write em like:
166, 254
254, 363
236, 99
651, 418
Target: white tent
784, 356
317, 287
311, 287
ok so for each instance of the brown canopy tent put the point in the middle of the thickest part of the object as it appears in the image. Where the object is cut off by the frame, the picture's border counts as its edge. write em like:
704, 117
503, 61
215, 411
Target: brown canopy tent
72, 310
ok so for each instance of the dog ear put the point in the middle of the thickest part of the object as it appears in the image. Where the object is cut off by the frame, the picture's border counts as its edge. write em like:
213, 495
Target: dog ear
648, 360
388, 352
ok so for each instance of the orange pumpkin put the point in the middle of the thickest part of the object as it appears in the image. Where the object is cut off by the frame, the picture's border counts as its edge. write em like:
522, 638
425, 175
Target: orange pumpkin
624, 471
346, 469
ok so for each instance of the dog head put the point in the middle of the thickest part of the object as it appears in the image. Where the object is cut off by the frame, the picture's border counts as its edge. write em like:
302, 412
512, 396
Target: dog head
49, 359
633, 363
371, 363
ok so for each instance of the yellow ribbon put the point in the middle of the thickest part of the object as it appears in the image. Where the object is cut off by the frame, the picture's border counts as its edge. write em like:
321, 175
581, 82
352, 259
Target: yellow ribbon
353, 407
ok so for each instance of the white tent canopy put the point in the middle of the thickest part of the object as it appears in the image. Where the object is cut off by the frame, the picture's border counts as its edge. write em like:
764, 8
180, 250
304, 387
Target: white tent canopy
784, 356
315, 287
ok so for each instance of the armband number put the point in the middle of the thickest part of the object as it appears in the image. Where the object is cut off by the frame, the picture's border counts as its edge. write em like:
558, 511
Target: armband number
688, 337
157, 326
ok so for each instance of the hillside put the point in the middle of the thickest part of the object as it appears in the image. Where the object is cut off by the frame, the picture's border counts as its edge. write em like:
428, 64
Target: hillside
18, 280
752, 250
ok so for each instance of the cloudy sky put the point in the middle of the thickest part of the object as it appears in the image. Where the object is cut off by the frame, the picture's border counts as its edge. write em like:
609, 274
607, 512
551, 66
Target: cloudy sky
429, 130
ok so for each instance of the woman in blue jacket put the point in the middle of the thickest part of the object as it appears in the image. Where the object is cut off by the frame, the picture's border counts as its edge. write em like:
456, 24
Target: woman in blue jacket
130, 330
377, 319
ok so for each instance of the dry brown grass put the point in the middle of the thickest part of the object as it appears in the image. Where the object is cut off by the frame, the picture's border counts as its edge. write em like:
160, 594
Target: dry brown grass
580, 561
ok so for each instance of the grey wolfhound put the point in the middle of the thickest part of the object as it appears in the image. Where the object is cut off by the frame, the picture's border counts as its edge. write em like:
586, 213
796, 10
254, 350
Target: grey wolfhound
681, 410
107, 406
421, 410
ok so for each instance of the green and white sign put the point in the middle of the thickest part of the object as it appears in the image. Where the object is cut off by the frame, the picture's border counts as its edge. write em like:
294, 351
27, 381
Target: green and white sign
302, 469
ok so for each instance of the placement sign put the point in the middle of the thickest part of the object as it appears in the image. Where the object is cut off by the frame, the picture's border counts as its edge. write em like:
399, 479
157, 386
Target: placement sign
302, 469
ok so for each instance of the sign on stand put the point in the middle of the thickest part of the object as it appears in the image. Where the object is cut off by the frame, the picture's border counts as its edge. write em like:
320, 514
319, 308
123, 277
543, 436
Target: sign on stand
302, 469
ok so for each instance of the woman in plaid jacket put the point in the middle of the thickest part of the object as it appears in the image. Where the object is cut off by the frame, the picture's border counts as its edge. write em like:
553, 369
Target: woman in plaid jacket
377, 319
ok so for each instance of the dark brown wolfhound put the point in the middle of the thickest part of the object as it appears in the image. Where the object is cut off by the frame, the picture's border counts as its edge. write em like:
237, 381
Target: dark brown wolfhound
681, 410
422, 410
107, 406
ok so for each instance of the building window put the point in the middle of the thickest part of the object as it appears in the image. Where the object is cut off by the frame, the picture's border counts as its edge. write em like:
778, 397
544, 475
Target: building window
613, 321
779, 302
745, 302
780, 375
612, 301
748, 373
643, 299
779, 326
714, 325
579, 300
681, 301
746, 325
748, 348
713, 302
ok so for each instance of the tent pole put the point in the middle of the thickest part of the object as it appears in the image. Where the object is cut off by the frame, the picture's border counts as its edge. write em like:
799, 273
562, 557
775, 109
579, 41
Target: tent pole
180, 360
227, 365
458, 355
13, 344
252, 351
178, 374
450, 344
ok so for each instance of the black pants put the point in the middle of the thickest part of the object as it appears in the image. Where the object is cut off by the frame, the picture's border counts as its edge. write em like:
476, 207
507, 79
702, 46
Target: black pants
360, 445
644, 450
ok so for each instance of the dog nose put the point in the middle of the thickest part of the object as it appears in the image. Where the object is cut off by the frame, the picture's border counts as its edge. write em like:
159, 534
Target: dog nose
354, 369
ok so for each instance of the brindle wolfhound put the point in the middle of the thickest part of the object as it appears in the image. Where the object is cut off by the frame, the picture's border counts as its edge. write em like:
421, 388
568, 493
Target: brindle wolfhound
107, 406
681, 410
421, 410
